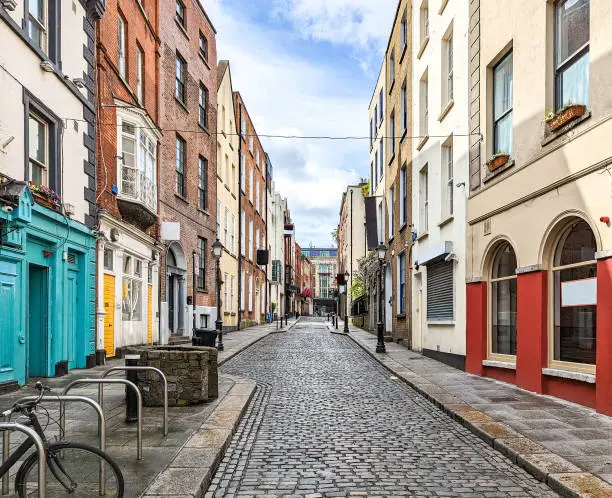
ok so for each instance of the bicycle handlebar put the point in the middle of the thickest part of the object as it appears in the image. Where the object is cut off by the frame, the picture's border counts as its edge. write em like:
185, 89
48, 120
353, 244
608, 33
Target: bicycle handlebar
19, 407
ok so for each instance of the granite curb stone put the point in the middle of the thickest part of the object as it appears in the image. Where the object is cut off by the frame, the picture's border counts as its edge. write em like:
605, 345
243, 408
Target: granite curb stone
562, 476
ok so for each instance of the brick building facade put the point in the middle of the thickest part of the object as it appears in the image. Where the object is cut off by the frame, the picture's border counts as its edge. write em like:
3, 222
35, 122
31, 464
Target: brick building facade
253, 213
188, 186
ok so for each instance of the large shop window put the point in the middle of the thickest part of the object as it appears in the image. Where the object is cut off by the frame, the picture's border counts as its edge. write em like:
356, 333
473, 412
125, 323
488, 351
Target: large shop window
503, 302
440, 292
574, 276
132, 289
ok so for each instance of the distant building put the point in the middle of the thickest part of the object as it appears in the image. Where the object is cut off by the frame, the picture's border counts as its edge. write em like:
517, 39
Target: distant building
324, 270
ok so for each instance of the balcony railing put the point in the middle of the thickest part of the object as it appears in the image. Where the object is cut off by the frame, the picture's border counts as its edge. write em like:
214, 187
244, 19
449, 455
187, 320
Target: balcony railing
135, 186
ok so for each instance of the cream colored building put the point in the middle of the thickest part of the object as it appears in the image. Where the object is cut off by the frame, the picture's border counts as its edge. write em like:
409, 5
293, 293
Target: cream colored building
276, 243
440, 162
377, 150
227, 195
539, 233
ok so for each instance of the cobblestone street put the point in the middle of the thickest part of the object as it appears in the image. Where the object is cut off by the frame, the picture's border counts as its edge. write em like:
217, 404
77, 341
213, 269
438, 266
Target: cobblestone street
327, 420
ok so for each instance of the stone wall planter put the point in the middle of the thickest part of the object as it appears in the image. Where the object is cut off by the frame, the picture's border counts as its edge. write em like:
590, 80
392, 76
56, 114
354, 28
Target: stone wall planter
498, 161
565, 116
191, 372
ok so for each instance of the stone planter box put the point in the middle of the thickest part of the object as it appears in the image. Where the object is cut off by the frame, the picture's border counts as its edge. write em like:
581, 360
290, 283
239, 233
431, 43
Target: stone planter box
191, 372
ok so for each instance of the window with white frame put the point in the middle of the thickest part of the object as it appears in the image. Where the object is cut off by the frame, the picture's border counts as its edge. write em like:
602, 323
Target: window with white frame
242, 233
257, 244
403, 33
381, 238
233, 246
257, 158
136, 161
180, 79
38, 23
390, 210
257, 195
251, 293
202, 183
202, 255
424, 21
404, 97
251, 240
233, 302
180, 13
380, 107
381, 147
502, 337
392, 132
447, 68
139, 74
403, 195
502, 106
242, 126
203, 47
226, 284
423, 201
121, 55
447, 178
242, 289
181, 160
251, 186
392, 68
39, 149
572, 37
371, 134
131, 286
109, 257
401, 283
203, 106
219, 219
376, 120
424, 106
251, 144
376, 169
242, 172
226, 229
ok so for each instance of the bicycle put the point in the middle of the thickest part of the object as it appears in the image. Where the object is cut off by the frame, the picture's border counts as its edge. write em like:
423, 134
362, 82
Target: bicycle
74, 469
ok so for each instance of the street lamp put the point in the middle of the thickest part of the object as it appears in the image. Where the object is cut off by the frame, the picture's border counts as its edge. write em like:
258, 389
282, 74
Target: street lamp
217, 250
346, 277
381, 252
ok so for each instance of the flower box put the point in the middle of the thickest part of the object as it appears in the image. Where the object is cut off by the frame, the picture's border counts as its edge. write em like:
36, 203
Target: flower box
44, 196
498, 161
565, 115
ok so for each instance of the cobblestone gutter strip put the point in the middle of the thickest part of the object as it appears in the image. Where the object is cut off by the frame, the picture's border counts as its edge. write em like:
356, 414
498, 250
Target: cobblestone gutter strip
562, 476
195, 464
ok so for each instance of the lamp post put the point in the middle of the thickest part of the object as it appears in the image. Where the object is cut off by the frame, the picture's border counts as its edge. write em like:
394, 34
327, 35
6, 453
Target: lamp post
217, 250
381, 252
346, 277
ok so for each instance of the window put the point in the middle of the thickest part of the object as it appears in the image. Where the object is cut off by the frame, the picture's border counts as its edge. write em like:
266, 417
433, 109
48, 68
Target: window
390, 210
447, 64
251, 239
233, 246
131, 297
380, 220
424, 12
181, 158
39, 150
108, 259
392, 68
404, 97
371, 137
121, 46
376, 120
218, 219
376, 168
403, 195
423, 201
380, 107
447, 179
203, 47
225, 291
574, 280
180, 13
203, 106
372, 175
242, 234
440, 292
251, 186
257, 245
251, 144
242, 127
242, 288
403, 33
572, 36
202, 248
203, 183
233, 301
503, 302
257, 158
382, 157
139, 73
502, 106
257, 195
37, 23
179, 89
392, 132
424, 106
401, 278
226, 229
251, 297
242, 172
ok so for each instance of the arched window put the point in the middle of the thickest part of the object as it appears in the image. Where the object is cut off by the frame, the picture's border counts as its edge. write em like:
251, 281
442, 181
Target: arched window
574, 275
503, 302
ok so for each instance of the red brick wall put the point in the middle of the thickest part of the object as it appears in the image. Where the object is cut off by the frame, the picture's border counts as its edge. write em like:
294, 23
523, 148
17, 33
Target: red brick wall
110, 85
259, 219
176, 119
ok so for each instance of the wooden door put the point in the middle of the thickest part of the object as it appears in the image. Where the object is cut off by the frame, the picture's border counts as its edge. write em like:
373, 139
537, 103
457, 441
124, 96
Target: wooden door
109, 318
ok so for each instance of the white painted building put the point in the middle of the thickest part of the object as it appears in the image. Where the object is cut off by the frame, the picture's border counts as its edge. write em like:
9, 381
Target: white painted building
377, 150
440, 176
276, 267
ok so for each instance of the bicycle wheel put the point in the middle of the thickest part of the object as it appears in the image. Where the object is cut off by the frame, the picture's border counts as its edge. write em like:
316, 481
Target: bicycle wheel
73, 469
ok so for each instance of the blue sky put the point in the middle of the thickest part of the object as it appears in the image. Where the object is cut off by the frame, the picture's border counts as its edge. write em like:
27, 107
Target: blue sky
307, 67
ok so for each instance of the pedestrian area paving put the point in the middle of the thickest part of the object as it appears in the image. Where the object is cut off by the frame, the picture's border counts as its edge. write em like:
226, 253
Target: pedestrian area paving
328, 420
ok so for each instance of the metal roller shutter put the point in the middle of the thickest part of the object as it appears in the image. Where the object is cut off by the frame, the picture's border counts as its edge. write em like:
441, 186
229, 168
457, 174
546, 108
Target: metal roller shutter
440, 291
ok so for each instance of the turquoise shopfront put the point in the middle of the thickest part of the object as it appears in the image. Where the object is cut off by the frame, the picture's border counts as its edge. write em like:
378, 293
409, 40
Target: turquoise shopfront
47, 289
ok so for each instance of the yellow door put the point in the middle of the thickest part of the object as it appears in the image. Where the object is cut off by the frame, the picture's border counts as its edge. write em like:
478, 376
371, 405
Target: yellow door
150, 315
109, 318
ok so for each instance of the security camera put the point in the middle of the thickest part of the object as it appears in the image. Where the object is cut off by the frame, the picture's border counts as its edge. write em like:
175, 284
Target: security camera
7, 209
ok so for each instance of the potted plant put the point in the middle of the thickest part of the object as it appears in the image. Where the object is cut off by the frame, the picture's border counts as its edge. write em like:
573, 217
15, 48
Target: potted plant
569, 112
45, 196
497, 161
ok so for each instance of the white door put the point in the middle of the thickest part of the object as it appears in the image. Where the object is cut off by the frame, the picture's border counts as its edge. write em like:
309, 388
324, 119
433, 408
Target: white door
388, 300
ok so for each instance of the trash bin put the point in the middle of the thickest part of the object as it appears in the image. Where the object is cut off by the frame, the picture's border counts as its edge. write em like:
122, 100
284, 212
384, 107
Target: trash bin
131, 398
204, 337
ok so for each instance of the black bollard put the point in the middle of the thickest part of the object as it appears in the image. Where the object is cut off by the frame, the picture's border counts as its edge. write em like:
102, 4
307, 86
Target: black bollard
131, 399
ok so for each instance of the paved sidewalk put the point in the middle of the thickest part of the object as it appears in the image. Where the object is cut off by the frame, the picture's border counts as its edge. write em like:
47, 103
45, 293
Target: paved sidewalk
553, 439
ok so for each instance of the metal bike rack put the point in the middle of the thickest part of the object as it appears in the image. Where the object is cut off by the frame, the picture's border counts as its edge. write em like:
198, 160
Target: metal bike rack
162, 376
112, 381
40, 448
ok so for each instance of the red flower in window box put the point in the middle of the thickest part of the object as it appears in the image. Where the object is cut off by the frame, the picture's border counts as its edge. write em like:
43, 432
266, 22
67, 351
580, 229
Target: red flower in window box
45, 196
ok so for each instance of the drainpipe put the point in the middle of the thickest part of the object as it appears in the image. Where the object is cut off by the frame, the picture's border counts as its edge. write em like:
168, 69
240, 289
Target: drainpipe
240, 166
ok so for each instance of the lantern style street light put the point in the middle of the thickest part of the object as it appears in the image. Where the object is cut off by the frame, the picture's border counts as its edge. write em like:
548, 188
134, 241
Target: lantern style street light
217, 250
381, 252
346, 280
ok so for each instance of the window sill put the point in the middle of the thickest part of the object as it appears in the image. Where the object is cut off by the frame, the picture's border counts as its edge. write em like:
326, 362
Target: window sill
404, 50
567, 374
446, 221
203, 211
181, 103
550, 137
442, 323
423, 47
402, 227
499, 364
401, 316
422, 142
204, 60
492, 174
227, 188
179, 196
442, 7
446, 109
391, 159
203, 127
422, 236
202, 290
404, 133
181, 28
390, 239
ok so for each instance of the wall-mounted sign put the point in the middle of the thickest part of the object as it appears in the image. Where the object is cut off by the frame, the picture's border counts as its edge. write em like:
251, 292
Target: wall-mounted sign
579, 292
